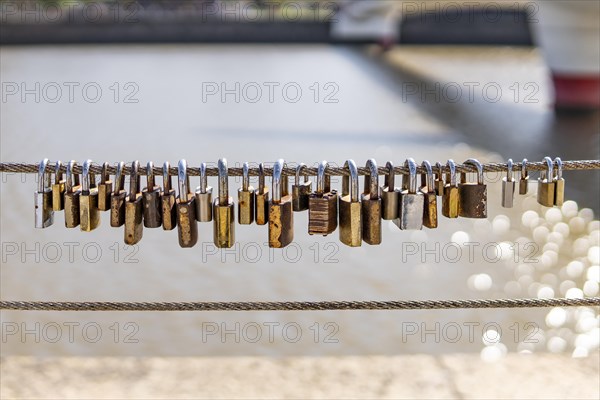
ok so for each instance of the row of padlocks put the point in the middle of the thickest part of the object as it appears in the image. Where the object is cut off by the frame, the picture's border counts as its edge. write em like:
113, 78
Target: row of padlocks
359, 215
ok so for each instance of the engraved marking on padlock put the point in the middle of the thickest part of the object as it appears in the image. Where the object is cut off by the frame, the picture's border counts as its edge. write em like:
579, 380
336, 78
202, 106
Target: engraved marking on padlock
371, 205
350, 208
261, 200
44, 214
390, 195
118, 197
473, 196
89, 214
204, 203
410, 214
168, 200
508, 186
430, 211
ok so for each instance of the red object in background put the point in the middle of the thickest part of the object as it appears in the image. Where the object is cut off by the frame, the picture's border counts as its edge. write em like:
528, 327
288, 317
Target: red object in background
576, 91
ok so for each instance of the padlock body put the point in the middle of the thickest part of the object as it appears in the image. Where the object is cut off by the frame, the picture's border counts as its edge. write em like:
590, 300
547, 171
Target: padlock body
261, 202
152, 207
187, 225
281, 223
524, 185
371, 216
300, 195
545, 194
89, 215
58, 196
224, 224
117, 209
134, 215
246, 206
430, 210
472, 200
411, 211
390, 198
350, 221
104, 191
44, 214
322, 213
559, 192
169, 211
72, 208
204, 206
508, 193
450, 201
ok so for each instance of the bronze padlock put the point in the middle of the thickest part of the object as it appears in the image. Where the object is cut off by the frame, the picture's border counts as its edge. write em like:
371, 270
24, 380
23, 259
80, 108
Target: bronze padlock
371, 205
72, 192
350, 208
390, 195
301, 191
439, 179
430, 211
44, 213
508, 186
58, 188
450, 196
89, 214
223, 211
118, 197
546, 185
187, 226
281, 214
204, 197
261, 198
410, 214
168, 199
134, 208
246, 197
105, 188
151, 199
322, 205
472, 196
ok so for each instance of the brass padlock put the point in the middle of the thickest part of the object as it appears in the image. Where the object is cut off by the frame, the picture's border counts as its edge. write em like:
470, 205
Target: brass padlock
559, 182
371, 205
246, 198
89, 214
390, 195
430, 211
301, 191
151, 199
204, 197
105, 188
524, 180
281, 214
58, 188
546, 185
472, 196
134, 207
508, 186
261, 200
187, 226
223, 211
72, 192
439, 179
350, 208
450, 197
322, 205
168, 199
44, 214
118, 197
410, 216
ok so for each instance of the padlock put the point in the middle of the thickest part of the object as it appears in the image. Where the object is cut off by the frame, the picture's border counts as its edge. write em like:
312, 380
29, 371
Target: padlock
472, 196
350, 208
72, 192
118, 197
204, 197
58, 188
168, 199
301, 191
44, 214
246, 198
430, 211
390, 195
105, 188
223, 211
187, 226
134, 207
261, 200
450, 197
524, 180
89, 214
371, 205
410, 214
151, 199
546, 185
559, 184
508, 186
322, 205
439, 179
281, 214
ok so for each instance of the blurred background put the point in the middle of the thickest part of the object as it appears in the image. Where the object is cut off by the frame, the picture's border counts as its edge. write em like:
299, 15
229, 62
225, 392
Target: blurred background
304, 81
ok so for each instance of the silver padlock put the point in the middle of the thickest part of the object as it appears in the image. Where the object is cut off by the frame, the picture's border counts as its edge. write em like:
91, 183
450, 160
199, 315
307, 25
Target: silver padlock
508, 186
204, 197
524, 180
44, 214
411, 201
559, 184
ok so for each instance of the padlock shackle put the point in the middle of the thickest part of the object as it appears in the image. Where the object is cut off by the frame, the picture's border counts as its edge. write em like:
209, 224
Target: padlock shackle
134, 180
203, 178
261, 178
150, 181
559, 168
245, 176
72, 179
440, 169
104, 173
299, 169
524, 172
183, 180
427, 178
389, 180
323, 180
277, 181
43, 178
372, 180
223, 182
549, 169
476, 164
85, 176
167, 186
451, 174
350, 183
57, 172
509, 170
119, 178
412, 175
